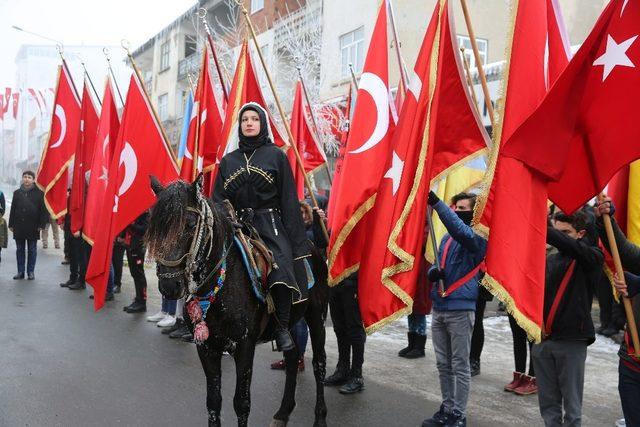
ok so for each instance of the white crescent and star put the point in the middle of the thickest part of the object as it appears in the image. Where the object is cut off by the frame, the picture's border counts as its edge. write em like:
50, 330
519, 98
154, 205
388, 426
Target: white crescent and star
395, 172
62, 117
615, 55
374, 85
130, 161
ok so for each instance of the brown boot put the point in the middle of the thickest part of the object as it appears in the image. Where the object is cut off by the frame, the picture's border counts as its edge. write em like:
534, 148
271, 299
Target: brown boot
527, 386
517, 380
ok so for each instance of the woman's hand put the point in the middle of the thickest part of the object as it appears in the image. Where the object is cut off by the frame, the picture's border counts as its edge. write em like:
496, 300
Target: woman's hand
620, 285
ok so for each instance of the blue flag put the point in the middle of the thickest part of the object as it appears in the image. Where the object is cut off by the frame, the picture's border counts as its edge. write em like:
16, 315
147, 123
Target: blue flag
186, 118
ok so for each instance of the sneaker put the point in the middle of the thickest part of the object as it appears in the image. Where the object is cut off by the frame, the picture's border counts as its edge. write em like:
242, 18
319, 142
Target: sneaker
156, 317
456, 420
527, 386
188, 337
475, 367
67, 283
517, 380
116, 289
180, 332
136, 307
168, 320
621, 422
77, 286
31, 276
18, 276
354, 385
175, 327
339, 377
438, 419
278, 365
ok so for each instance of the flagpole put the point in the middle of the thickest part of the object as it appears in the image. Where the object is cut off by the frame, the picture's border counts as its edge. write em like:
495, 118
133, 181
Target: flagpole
313, 119
353, 76
64, 64
476, 55
434, 245
628, 308
113, 77
95, 92
125, 46
282, 114
203, 17
396, 40
469, 81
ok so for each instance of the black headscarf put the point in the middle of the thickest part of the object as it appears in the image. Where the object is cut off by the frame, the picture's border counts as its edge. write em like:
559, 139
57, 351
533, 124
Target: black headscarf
250, 143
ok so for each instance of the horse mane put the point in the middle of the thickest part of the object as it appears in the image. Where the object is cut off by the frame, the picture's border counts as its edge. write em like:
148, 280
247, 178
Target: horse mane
168, 218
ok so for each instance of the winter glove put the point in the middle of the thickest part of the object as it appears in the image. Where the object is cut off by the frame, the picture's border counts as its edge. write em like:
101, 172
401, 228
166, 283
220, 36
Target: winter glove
433, 199
435, 274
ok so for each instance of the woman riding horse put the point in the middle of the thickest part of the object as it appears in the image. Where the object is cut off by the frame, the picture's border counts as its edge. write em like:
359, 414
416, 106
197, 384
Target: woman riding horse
257, 180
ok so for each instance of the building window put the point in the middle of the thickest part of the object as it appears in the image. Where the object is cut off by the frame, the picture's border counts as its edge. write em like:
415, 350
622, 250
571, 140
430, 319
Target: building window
352, 51
257, 5
163, 107
165, 49
483, 49
190, 47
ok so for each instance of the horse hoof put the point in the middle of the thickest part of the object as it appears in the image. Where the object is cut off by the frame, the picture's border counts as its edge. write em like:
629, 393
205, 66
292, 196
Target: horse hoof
277, 423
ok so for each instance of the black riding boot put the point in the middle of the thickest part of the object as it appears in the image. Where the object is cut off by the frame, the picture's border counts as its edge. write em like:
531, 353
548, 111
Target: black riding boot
281, 295
355, 383
410, 338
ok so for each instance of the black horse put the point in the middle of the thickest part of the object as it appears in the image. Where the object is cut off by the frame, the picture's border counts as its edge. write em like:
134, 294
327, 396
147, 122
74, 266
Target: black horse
192, 241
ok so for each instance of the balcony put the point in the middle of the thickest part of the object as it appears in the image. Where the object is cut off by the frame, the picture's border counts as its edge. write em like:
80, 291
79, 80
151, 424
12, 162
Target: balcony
188, 65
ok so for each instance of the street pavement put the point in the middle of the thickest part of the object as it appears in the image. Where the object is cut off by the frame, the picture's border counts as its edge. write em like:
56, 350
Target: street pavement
61, 364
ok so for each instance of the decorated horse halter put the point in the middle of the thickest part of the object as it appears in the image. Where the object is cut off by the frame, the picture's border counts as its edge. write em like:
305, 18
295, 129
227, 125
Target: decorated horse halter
202, 238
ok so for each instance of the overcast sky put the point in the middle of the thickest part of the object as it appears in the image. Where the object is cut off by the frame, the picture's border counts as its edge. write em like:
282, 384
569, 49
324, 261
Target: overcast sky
74, 22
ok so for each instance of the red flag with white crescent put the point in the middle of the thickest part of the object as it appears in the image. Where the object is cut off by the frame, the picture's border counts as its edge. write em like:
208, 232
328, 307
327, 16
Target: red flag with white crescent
102, 152
365, 156
59, 151
82, 163
140, 151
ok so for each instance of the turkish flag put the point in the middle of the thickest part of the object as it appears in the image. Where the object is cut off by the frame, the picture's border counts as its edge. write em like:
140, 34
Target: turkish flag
205, 128
309, 147
245, 88
365, 156
60, 148
100, 160
82, 162
597, 98
140, 151
438, 130
514, 210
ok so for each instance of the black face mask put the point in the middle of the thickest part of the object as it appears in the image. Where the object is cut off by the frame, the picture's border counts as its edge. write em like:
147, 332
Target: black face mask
465, 216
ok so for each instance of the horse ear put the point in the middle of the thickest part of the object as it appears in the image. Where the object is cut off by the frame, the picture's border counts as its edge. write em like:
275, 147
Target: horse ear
155, 185
198, 184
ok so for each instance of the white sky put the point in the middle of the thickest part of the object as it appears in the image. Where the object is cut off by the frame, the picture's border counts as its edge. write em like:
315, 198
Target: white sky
76, 22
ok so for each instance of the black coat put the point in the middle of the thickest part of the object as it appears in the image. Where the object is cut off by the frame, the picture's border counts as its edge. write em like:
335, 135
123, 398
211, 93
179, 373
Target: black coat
573, 317
28, 213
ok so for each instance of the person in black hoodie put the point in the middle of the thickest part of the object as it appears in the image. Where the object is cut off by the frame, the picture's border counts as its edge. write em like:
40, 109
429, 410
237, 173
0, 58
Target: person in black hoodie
570, 282
133, 240
26, 220
629, 367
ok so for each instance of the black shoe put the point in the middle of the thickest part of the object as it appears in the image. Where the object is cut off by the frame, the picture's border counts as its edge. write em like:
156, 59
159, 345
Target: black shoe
438, 419
456, 420
77, 286
116, 289
408, 348
418, 347
188, 337
67, 283
339, 377
284, 342
475, 367
609, 331
18, 276
109, 296
600, 329
354, 385
176, 326
65, 261
30, 276
136, 307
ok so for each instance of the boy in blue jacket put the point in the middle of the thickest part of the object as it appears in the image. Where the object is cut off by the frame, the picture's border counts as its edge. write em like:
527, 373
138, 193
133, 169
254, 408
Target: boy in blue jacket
454, 295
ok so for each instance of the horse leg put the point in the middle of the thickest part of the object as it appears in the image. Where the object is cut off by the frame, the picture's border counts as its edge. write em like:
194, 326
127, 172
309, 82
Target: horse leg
281, 418
244, 369
315, 321
210, 359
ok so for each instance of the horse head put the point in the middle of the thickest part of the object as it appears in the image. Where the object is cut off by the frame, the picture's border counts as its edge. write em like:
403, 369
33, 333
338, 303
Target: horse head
183, 234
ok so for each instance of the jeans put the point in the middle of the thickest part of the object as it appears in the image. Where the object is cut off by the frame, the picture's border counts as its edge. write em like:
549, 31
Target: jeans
300, 333
110, 280
629, 389
559, 369
417, 324
451, 337
31, 247
169, 306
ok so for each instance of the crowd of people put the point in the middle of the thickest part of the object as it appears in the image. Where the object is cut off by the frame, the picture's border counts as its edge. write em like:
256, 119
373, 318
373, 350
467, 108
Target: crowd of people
449, 290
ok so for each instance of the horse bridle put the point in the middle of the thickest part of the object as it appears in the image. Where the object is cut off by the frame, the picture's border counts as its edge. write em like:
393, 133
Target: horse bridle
202, 238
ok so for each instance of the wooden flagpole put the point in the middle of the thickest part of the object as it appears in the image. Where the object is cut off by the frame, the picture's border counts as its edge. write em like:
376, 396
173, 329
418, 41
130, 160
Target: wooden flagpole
202, 13
353, 76
113, 76
95, 92
628, 308
396, 40
307, 183
476, 55
469, 81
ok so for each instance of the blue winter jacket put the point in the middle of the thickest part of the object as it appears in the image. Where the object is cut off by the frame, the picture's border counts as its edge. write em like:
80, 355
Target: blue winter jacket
465, 253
